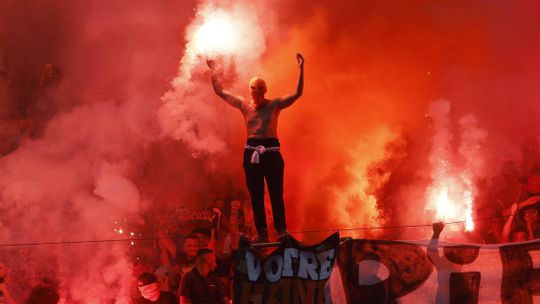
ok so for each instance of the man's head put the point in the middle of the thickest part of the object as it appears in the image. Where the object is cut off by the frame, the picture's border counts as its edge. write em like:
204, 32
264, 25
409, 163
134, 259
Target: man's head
258, 88
206, 260
47, 73
519, 235
148, 286
204, 236
48, 70
190, 246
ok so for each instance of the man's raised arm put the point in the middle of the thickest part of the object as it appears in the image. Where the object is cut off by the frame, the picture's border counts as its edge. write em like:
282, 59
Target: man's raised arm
290, 99
433, 249
233, 100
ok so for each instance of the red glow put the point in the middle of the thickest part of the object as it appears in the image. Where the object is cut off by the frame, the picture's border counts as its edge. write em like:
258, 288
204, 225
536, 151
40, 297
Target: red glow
132, 126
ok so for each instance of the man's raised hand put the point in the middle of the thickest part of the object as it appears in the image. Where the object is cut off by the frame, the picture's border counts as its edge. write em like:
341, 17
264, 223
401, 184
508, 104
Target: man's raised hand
514, 209
211, 64
438, 227
300, 60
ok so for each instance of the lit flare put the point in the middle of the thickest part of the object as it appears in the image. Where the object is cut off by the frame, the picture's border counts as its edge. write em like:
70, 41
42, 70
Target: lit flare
216, 35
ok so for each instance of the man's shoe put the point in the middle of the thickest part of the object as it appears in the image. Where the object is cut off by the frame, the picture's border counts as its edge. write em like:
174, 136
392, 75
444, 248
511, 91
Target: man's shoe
282, 235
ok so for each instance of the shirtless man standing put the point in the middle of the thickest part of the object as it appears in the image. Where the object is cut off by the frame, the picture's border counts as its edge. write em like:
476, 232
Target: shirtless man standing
262, 159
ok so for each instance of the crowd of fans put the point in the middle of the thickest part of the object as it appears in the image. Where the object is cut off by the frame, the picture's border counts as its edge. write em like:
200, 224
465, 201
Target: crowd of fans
194, 264
510, 214
191, 260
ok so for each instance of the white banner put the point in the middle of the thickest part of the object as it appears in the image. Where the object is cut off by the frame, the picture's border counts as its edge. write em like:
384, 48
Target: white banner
372, 271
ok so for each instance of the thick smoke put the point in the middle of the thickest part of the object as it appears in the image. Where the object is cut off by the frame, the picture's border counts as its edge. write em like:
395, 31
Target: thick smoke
88, 161
372, 70
232, 36
114, 136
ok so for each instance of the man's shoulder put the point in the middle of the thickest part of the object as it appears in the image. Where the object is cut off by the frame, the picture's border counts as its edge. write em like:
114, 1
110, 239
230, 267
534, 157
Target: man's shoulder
190, 275
274, 101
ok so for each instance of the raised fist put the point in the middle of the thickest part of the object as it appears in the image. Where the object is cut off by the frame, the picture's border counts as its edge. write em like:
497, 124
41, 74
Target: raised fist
438, 227
514, 209
211, 64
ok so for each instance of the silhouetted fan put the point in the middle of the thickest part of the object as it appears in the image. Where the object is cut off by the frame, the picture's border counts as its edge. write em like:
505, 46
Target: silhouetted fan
44, 293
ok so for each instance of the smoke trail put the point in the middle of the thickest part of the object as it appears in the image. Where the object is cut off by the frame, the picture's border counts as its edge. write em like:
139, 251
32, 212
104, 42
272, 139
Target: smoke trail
441, 161
472, 141
232, 35
453, 189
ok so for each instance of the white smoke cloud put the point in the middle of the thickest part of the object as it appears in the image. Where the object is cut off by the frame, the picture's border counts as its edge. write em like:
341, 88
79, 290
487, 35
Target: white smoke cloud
63, 187
116, 189
79, 175
454, 173
233, 36
90, 166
